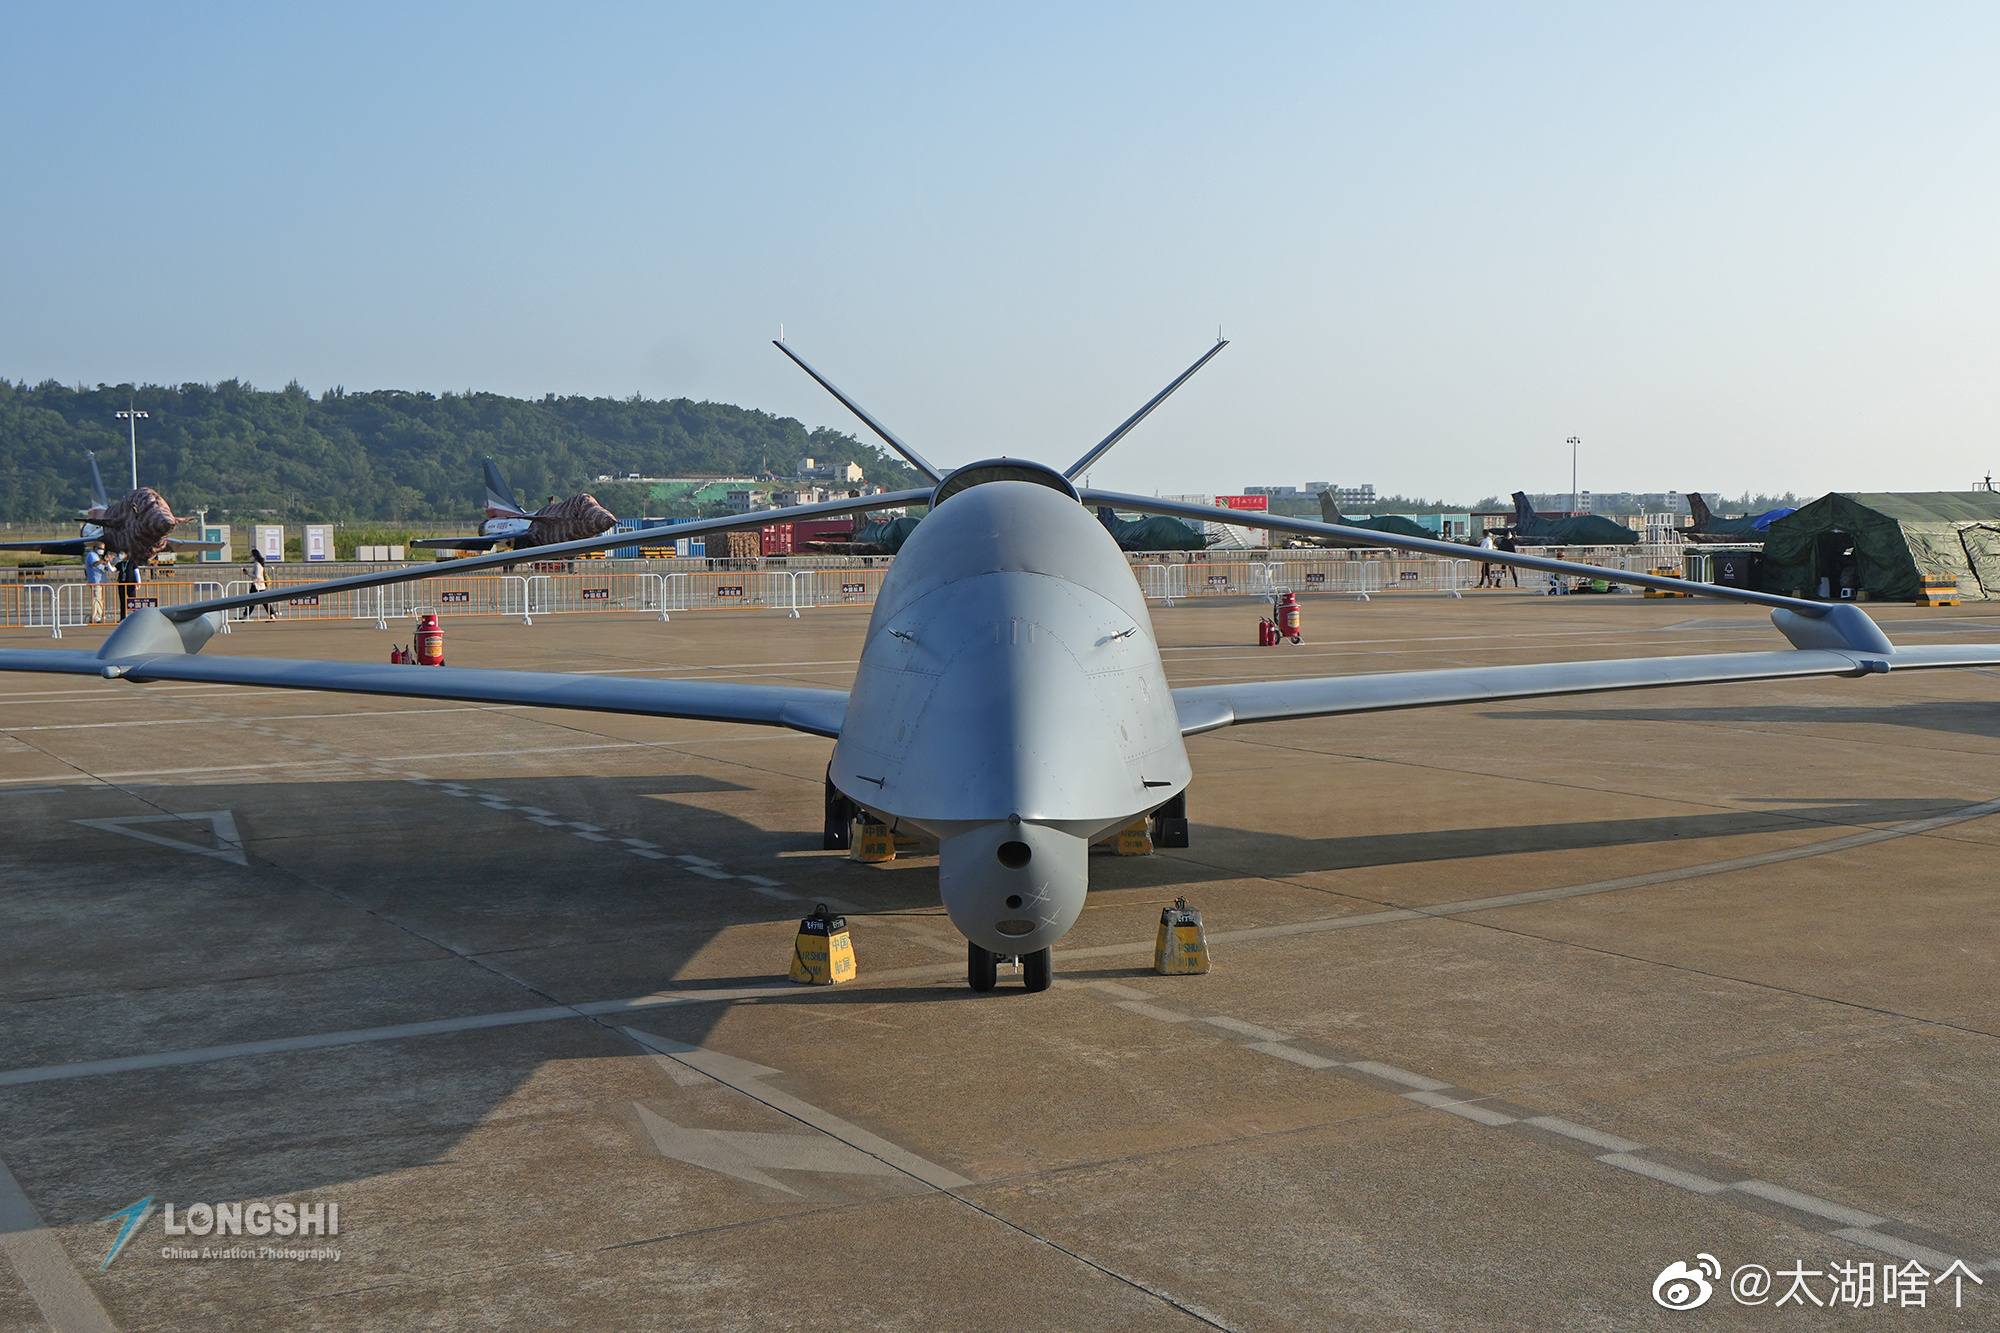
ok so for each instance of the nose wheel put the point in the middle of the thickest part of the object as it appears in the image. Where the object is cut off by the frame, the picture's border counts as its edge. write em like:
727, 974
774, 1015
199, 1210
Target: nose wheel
982, 968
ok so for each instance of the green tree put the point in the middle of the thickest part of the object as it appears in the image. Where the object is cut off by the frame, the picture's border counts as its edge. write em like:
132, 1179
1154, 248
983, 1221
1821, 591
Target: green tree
388, 455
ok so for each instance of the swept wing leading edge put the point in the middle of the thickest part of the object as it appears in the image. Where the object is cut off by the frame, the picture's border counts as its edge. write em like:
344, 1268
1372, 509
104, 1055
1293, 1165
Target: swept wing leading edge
798, 707
1207, 707
1828, 639
889, 437
609, 541
1103, 446
1304, 527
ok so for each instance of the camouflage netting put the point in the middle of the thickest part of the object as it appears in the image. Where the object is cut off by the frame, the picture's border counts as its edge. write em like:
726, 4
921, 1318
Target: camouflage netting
569, 520
889, 535
1151, 534
1897, 540
139, 524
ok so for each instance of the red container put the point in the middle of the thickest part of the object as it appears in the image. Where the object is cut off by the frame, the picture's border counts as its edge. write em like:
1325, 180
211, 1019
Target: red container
1289, 620
807, 531
430, 641
777, 539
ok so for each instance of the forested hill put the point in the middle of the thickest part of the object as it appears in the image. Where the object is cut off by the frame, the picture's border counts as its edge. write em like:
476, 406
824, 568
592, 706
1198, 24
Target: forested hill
386, 454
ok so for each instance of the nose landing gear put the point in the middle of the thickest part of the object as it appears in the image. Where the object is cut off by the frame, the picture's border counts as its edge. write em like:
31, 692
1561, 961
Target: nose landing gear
982, 968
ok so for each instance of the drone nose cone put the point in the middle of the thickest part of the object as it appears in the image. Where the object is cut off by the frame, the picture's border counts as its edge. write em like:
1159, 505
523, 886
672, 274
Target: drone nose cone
1013, 888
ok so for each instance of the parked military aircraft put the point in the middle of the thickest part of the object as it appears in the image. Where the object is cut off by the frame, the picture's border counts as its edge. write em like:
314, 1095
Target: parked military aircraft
1010, 698
140, 526
1532, 529
568, 520
1708, 528
1391, 523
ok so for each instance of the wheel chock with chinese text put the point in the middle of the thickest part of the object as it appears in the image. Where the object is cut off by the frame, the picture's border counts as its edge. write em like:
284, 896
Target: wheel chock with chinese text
871, 842
823, 955
1133, 840
1181, 948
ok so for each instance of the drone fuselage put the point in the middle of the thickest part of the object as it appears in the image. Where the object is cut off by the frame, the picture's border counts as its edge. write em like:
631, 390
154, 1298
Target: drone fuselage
1010, 702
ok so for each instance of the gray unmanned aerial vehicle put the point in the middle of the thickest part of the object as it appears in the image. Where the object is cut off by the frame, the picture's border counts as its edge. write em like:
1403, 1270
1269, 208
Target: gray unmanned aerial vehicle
1010, 699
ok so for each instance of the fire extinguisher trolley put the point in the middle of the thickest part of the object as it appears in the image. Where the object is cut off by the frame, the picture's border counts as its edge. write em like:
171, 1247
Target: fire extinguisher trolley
1289, 624
430, 641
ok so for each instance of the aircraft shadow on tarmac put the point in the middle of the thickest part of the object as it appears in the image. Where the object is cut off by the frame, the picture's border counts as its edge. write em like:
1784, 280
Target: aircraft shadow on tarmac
1224, 854
413, 919
438, 897
1963, 718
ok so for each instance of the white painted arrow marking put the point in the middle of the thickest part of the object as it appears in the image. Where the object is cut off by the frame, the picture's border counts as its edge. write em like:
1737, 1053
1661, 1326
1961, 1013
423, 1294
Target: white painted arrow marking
744, 1156
228, 845
748, 1079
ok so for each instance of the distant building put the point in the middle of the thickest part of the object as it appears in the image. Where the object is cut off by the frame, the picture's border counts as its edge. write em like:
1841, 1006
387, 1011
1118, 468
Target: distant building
1351, 497
748, 501
1610, 502
841, 474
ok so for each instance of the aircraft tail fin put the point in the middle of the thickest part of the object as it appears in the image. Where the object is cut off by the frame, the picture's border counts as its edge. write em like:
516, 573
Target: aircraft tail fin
97, 494
889, 437
499, 497
1524, 513
1699, 508
1103, 446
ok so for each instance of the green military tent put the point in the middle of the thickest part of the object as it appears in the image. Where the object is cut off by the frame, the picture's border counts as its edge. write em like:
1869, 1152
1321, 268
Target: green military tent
1884, 544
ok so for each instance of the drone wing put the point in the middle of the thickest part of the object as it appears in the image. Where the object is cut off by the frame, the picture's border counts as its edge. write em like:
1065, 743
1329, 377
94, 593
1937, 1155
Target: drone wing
457, 543
1207, 707
1828, 639
800, 708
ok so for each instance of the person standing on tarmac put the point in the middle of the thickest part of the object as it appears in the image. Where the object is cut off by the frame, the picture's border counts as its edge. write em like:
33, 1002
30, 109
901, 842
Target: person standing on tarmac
260, 581
1507, 544
1486, 574
126, 573
94, 574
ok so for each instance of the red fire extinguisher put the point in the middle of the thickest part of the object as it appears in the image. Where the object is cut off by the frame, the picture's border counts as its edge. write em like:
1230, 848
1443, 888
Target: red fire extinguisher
1289, 624
1267, 633
430, 641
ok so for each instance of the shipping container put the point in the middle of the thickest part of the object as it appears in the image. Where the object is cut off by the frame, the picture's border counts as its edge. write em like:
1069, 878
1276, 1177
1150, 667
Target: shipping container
809, 531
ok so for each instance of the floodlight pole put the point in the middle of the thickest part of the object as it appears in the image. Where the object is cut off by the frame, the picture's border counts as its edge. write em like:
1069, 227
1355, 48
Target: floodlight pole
1572, 442
133, 416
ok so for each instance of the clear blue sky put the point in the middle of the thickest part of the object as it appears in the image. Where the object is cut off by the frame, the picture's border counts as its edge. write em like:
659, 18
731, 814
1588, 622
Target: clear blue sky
1730, 246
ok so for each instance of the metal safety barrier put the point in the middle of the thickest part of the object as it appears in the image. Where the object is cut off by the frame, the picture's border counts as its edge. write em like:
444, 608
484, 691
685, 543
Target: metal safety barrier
662, 587
1161, 583
1359, 574
71, 604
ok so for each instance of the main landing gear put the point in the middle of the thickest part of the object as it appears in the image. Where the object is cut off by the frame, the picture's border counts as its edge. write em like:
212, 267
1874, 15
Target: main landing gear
840, 815
982, 968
